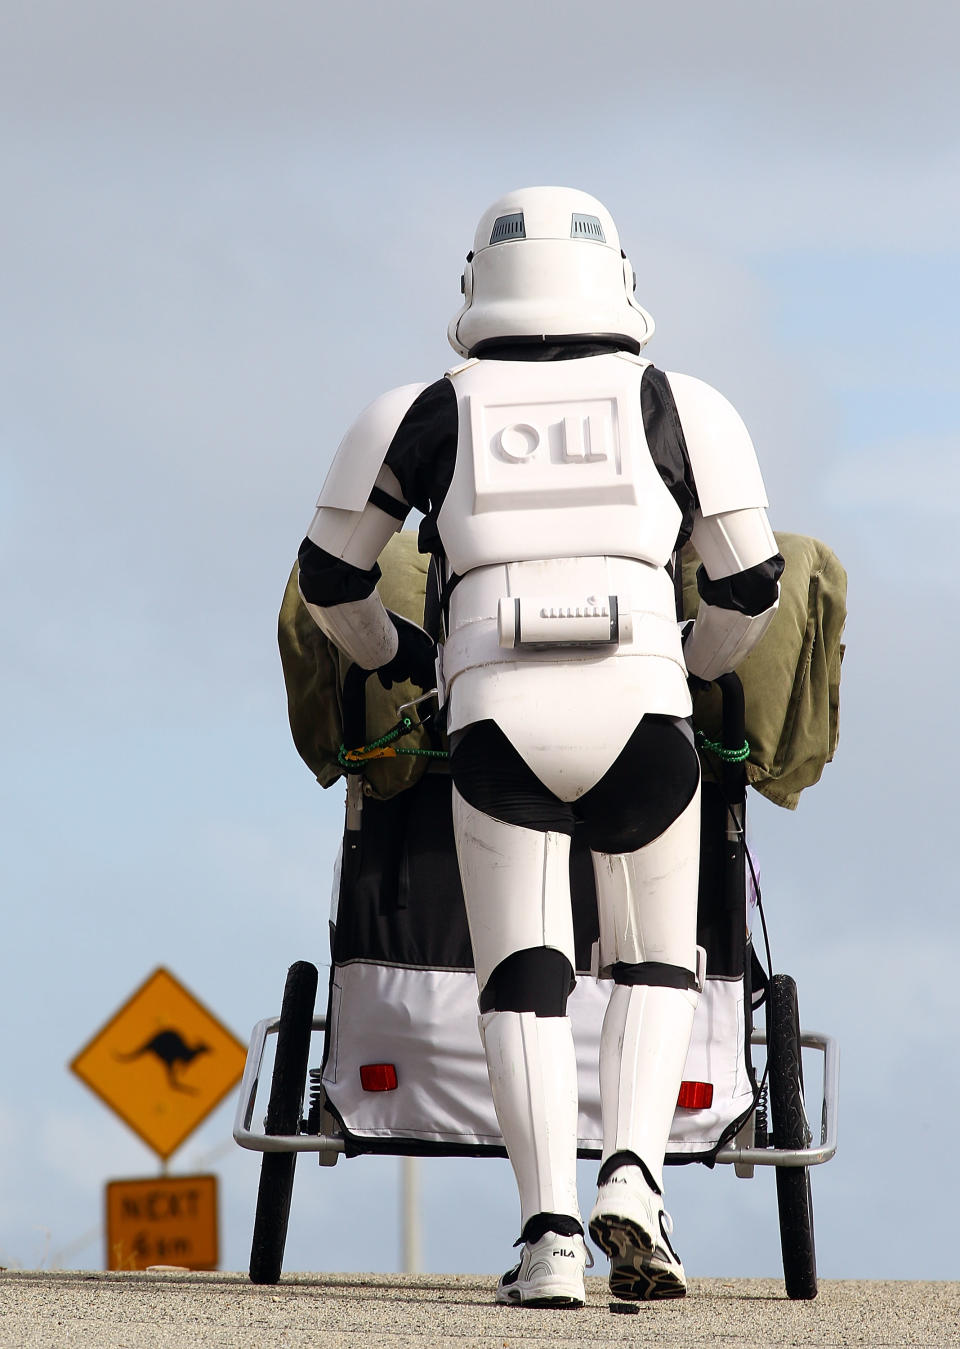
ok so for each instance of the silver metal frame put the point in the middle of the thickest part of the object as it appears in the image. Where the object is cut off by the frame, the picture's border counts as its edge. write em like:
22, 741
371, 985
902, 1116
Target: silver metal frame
256, 1140
743, 1155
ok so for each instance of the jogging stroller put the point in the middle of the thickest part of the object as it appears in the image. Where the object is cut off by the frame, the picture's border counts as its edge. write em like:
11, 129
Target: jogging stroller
401, 1070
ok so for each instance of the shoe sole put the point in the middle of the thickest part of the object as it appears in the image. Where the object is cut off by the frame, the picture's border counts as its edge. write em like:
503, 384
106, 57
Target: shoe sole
558, 1300
635, 1274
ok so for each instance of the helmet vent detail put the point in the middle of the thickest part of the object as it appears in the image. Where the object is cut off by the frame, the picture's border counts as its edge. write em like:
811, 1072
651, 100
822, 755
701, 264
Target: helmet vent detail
508, 227
586, 227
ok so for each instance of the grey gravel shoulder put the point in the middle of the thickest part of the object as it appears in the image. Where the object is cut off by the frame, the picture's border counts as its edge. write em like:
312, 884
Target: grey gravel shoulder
167, 1310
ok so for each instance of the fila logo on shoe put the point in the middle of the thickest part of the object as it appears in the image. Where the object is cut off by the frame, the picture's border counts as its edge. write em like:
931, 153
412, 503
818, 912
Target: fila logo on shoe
567, 1253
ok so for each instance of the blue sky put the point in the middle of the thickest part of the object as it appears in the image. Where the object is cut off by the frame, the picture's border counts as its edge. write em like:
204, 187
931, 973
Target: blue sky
227, 229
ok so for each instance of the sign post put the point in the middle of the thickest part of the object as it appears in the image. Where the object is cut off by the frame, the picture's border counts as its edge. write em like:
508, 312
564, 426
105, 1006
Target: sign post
162, 1062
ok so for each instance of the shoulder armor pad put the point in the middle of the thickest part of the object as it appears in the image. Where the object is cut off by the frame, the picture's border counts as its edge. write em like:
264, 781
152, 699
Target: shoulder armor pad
361, 453
721, 453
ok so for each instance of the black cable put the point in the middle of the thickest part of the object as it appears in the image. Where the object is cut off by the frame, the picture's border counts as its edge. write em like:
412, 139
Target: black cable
742, 835
734, 1127
756, 891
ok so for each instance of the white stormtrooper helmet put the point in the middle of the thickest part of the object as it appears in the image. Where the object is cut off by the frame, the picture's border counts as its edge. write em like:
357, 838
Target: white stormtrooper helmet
546, 262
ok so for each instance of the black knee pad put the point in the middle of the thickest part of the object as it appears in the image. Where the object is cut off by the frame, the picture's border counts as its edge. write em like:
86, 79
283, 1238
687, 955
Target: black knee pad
537, 980
654, 974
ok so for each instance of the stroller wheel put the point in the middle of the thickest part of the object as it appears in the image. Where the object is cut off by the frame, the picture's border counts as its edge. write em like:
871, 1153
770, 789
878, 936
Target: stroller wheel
283, 1117
790, 1130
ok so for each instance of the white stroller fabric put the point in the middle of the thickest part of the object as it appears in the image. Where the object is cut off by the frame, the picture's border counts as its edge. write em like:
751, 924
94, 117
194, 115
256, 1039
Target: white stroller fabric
424, 1023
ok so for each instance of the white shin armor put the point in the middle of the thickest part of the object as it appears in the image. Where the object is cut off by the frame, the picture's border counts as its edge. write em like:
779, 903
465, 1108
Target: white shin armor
516, 887
643, 1048
532, 1065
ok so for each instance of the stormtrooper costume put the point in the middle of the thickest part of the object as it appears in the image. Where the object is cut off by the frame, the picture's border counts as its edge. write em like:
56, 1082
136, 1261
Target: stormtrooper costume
559, 472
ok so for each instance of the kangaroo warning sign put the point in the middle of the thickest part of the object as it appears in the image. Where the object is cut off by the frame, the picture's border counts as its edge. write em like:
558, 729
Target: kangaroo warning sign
168, 1221
162, 1062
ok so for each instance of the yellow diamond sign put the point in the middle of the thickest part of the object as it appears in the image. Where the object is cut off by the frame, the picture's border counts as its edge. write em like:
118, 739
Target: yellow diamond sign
162, 1062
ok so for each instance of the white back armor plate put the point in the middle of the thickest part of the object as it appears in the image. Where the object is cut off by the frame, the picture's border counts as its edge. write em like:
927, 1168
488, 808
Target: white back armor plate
552, 460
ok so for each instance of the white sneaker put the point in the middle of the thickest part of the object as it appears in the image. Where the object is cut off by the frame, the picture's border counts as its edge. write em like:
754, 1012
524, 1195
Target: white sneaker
629, 1225
550, 1273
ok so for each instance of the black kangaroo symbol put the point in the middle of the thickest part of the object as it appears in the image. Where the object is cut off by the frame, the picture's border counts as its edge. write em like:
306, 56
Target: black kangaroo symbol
171, 1049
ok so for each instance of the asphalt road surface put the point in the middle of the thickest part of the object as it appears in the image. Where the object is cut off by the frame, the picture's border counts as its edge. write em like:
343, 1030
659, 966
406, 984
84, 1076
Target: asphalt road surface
180, 1310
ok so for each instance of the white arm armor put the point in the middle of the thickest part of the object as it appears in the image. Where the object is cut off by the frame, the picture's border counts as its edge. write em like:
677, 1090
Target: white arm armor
732, 542
360, 454
731, 532
719, 447
721, 638
358, 536
360, 628
728, 543
349, 526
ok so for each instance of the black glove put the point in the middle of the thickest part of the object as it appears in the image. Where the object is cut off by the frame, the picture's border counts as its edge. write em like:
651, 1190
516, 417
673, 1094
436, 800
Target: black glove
415, 658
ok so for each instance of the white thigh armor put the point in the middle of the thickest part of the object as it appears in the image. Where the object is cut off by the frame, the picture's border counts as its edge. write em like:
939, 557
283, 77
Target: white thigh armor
516, 887
647, 900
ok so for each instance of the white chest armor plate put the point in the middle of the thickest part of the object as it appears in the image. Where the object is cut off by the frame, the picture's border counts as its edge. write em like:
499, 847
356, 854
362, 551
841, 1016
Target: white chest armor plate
552, 461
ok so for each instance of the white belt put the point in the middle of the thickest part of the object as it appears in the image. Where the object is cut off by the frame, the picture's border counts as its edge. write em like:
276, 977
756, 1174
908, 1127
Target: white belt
479, 643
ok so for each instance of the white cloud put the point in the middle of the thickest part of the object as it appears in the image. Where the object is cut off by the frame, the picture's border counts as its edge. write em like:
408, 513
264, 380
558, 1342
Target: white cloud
857, 73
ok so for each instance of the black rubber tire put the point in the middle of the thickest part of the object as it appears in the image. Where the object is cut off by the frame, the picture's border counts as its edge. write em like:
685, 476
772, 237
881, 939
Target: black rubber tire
790, 1130
284, 1112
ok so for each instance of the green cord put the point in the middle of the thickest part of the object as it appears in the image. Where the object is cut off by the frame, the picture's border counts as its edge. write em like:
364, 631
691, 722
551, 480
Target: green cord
727, 755
351, 758
403, 727
406, 725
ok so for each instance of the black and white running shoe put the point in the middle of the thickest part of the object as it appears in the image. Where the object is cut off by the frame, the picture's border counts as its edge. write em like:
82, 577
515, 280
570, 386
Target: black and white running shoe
550, 1274
629, 1225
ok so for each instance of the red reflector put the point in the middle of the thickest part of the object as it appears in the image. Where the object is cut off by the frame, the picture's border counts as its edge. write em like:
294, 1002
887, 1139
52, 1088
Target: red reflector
378, 1077
695, 1096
